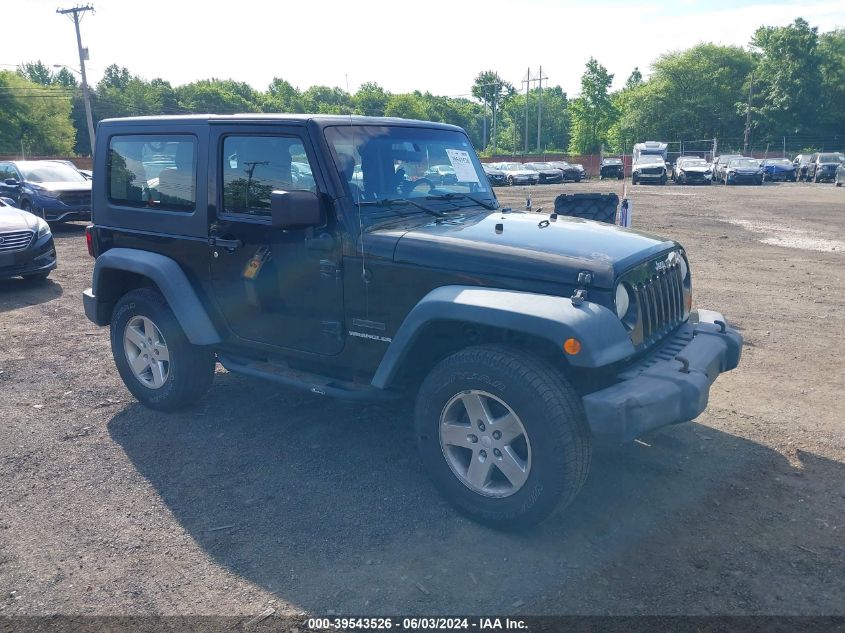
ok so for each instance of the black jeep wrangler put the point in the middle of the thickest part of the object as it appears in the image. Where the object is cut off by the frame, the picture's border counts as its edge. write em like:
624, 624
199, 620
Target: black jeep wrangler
312, 251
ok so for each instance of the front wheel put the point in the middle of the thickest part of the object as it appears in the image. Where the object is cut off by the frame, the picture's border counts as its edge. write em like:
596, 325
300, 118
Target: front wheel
510, 181
155, 359
502, 435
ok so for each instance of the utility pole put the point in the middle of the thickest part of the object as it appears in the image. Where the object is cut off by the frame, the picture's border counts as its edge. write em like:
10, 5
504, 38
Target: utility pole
527, 82
540, 79
75, 14
748, 116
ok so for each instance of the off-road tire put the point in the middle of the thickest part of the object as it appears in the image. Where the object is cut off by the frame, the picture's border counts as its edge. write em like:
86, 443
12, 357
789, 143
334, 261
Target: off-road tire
550, 411
191, 368
600, 207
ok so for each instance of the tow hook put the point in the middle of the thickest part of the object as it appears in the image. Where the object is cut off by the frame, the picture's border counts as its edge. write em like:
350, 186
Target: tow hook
722, 326
685, 363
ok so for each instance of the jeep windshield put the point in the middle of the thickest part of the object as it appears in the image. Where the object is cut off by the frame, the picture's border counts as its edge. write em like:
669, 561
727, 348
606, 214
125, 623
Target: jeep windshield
404, 170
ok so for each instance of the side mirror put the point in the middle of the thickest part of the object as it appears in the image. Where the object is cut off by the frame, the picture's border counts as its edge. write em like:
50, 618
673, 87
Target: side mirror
11, 182
295, 209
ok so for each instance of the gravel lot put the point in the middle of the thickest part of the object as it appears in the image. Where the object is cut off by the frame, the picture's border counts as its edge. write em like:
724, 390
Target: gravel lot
264, 496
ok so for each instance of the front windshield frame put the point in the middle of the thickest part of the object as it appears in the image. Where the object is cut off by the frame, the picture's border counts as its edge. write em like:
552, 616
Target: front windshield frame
40, 172
417, 154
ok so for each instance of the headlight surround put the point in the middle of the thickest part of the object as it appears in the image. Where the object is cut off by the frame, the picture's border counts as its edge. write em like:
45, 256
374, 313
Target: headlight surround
622, 301
43, 229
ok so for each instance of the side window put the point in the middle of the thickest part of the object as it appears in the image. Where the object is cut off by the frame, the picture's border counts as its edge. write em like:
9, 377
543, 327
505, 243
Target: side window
153, 172
255, 166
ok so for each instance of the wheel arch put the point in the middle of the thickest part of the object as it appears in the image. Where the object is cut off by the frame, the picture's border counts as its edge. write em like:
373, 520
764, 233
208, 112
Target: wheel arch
119, 270
450, 318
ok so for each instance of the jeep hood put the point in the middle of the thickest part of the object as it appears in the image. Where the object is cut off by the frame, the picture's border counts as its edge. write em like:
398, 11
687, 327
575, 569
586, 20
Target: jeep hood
528, 246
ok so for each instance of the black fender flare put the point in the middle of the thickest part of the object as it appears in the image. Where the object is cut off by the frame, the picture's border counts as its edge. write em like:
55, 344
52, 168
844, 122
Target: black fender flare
171, 281
603, 338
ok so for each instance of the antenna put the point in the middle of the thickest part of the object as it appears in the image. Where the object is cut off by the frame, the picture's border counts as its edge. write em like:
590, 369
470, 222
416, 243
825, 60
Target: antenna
364, 277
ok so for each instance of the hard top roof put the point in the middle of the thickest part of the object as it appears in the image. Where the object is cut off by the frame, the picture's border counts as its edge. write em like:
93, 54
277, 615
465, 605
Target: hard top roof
321, 120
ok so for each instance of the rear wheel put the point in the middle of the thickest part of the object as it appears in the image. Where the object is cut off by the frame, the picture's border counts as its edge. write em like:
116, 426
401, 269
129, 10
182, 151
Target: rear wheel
510, 181
157, 363
502, 435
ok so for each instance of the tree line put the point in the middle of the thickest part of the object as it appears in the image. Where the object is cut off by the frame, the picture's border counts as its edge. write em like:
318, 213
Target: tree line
789, 81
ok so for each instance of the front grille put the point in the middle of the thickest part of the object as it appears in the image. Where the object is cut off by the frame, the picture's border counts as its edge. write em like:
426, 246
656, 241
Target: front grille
15, 240
660, 301
76, 197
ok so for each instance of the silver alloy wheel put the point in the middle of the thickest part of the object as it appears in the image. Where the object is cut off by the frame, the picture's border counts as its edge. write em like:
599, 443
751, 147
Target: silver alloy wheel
146, 351
485, 443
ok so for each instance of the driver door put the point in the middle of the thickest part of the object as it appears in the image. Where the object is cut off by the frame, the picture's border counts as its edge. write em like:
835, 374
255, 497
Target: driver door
277, 288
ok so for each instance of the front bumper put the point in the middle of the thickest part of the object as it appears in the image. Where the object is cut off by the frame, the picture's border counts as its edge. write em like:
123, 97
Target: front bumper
669, 386
738, 178
38, 257
54, 210
642, 176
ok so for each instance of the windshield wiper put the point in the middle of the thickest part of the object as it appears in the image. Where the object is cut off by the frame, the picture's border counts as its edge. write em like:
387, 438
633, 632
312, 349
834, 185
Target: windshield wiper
389, 203
453, 196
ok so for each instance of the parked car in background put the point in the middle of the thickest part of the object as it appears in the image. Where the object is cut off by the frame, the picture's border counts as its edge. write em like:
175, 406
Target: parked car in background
720, 163
496, 176
26, 245
823, 166
546, 171
779, 169
570, 172
649, 168
840, 175
581, 170
51, 190
801, 162
517, 174
441, 175
612, 168
739, 170
688, 170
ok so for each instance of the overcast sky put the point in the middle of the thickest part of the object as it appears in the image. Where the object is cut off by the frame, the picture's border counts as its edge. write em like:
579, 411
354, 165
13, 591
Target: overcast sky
427, 45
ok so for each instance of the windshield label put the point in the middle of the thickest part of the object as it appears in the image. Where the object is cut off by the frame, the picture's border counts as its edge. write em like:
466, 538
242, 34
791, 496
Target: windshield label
462, 164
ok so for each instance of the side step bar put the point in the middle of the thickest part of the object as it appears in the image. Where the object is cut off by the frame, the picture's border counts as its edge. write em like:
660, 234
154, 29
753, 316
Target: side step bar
314, 383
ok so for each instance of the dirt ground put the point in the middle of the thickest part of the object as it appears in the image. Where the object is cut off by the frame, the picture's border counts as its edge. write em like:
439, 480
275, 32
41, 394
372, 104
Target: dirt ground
266, 497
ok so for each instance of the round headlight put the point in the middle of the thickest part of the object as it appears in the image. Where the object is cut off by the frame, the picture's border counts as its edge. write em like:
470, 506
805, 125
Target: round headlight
684, 269
623, 301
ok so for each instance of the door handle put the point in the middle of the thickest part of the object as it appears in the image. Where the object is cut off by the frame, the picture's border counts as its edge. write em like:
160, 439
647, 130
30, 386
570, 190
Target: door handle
321, 242
229, 245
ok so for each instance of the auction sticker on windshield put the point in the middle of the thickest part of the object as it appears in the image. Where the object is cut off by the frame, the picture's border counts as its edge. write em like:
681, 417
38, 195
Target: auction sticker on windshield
461, 162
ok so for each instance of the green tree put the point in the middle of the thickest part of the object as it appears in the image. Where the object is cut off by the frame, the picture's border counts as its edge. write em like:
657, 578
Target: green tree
691, 94
371, 99
36, 72
34, 117
325, 100
831, 53
65, 79
788, 77
592, 112
406, 106
282, 96
634, 79
492, 91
